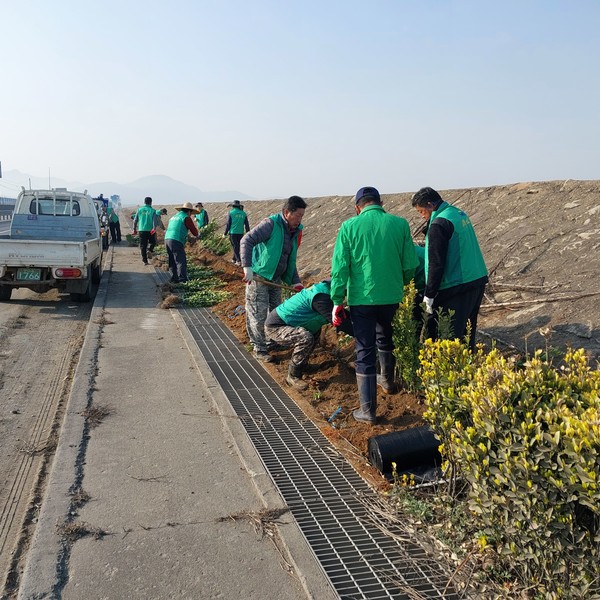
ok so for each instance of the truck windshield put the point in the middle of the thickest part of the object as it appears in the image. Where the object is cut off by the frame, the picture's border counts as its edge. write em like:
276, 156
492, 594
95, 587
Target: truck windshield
58, 207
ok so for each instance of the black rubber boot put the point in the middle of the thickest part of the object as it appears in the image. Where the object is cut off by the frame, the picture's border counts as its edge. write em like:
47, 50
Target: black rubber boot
367, 394
294, 378
387, 364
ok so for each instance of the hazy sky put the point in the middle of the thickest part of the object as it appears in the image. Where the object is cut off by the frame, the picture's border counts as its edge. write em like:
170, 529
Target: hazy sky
280, 97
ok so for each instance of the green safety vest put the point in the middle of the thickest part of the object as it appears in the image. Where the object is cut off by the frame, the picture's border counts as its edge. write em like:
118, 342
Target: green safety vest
464, 260
145, 218
200, 218
238, 218
176, 230
297, 311
266, 255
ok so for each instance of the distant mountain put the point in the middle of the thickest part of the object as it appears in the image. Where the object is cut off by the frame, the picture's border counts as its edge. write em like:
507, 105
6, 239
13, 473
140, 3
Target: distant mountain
162, 189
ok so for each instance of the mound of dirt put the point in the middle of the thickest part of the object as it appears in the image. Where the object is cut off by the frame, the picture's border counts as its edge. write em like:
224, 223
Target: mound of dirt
540, 241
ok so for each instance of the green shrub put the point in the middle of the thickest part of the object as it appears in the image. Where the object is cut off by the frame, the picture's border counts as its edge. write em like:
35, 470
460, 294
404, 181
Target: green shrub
132, 240
527, 441
406, 334
212, 240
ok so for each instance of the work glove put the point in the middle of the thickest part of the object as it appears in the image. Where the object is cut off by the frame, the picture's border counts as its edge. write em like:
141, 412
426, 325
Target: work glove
224, 235
248, 275
428, 305
338, 314
298, 287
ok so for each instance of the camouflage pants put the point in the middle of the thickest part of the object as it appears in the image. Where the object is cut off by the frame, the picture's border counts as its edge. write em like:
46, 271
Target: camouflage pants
302, 340
260, 299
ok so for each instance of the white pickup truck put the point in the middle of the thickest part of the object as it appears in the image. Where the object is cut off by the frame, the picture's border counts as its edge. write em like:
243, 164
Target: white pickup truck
54, 242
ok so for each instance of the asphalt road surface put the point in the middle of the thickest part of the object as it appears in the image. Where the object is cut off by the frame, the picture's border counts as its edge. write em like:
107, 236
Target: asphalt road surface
40, 340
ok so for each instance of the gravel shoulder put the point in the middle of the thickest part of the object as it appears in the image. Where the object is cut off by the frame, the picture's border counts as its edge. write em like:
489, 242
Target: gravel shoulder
40, 340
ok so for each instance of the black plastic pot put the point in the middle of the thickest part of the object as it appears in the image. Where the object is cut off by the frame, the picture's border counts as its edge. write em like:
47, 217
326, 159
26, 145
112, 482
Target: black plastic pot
413, 450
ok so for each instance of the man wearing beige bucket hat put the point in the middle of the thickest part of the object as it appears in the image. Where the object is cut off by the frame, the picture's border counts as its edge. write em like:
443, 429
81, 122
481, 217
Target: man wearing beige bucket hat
175, 238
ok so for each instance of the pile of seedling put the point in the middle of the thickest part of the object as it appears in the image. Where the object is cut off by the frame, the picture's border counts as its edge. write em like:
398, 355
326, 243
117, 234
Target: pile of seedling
202, 288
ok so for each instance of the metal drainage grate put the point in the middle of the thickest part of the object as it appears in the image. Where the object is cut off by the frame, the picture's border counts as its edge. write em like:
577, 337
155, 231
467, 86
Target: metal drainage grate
324, 493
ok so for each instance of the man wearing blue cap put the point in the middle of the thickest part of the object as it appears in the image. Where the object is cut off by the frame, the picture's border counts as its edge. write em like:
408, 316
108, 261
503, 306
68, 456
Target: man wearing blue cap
373, 259
455, 271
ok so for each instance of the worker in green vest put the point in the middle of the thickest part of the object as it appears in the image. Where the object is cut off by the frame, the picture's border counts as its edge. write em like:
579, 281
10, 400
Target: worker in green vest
202, 216
297, 323
237, 224
269, 250
144, 222
114, 224
455, 271
175, 238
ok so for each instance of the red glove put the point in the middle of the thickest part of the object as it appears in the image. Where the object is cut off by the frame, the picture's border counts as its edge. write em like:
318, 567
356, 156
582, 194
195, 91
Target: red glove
298, 287
153, 232
338, 314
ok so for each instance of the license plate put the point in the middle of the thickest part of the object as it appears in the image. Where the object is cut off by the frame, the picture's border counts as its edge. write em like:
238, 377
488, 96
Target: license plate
29, 274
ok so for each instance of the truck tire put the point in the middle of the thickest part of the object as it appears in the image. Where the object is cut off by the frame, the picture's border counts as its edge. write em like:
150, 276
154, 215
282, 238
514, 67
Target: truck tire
5, 292
96, 273
86, 295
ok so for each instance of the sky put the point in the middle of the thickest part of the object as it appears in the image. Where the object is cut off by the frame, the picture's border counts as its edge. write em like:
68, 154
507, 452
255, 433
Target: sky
310, 97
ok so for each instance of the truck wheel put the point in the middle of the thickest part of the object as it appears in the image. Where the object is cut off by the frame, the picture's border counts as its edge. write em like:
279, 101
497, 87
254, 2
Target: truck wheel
96, 273
5, 292
85, 296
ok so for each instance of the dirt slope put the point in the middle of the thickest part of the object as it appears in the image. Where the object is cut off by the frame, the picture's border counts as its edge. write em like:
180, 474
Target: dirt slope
540, 240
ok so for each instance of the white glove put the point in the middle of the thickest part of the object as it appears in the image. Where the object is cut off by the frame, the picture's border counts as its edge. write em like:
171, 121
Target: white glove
428, 305
248, 275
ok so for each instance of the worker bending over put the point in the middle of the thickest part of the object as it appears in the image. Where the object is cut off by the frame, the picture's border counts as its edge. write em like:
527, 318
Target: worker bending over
297, 323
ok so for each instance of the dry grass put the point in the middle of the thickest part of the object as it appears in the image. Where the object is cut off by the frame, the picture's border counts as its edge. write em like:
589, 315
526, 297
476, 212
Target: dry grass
75, 531
170, 301
263, 520
95, 414
79, 498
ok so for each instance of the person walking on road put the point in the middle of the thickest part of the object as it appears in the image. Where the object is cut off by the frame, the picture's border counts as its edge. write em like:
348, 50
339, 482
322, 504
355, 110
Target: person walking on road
175, 238
297, 323
114, 224
104, 227
455, 270
269, 250
373, 259
237, 224
144, 223
202, 216
158, 224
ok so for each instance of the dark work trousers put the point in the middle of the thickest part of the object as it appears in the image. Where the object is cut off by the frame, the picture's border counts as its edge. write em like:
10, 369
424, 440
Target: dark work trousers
152, 240
177, 261
372, 331
144, 240
115, 231
466, 308
235, 239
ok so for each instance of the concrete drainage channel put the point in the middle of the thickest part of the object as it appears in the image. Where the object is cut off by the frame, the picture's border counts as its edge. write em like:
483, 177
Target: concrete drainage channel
328, 499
